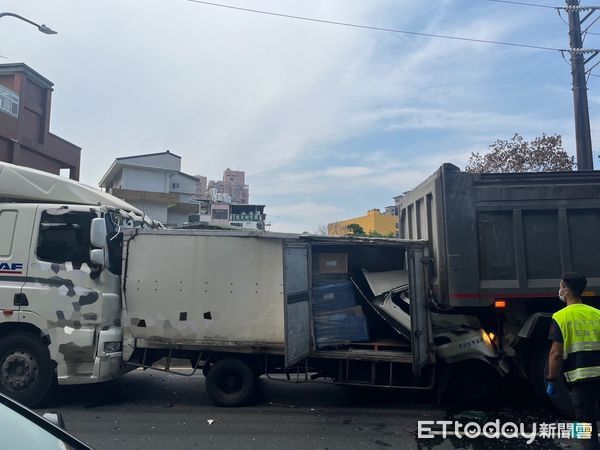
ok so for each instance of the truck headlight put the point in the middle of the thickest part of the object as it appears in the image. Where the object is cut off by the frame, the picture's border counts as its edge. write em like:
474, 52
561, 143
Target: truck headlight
112, 347
489, 338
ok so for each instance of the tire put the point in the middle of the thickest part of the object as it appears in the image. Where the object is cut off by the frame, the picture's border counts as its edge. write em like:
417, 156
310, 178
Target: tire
538, 368
26, 372
230, 382
472, 385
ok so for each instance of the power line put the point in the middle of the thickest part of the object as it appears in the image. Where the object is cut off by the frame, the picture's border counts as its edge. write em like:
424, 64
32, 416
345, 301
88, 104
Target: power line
367, 27
524, 4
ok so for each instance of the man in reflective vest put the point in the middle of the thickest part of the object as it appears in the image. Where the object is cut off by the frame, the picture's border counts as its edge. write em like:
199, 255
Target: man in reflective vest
575, 332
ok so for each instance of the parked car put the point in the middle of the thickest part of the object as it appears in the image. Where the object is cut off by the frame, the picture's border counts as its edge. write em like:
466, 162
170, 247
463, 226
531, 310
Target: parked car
23, 428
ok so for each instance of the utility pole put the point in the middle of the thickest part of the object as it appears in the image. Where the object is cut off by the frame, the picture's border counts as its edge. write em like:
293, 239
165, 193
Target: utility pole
583, 134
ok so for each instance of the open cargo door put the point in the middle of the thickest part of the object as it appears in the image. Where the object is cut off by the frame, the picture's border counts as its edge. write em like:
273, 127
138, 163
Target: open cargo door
298, 341
421, 338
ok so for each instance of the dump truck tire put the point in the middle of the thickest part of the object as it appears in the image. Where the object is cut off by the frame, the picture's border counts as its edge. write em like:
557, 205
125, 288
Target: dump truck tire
26, 372
538, 368
230, 382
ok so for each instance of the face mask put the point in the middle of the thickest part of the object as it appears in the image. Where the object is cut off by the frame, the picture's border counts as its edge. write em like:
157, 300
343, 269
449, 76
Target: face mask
561, 294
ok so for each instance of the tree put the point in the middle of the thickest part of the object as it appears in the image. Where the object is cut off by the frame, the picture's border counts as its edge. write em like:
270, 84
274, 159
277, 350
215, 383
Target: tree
321, 229
332, 229
543, 154
355, 229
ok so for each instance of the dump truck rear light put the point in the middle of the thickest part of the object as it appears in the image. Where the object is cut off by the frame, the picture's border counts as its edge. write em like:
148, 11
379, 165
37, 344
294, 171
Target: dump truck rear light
500, 304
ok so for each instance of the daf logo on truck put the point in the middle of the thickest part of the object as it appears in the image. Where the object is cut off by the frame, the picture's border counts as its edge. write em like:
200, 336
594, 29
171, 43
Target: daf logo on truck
11, 268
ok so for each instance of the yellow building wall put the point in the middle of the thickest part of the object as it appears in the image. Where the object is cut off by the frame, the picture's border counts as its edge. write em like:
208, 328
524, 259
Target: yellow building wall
374, 221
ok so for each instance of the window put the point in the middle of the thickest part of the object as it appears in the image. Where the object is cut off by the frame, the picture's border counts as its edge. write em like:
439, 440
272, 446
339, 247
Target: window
220, 214
64, 237
9, 101
175, 185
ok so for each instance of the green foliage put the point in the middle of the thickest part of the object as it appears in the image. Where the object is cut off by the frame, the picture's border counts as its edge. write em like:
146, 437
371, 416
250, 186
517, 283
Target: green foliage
376, 234
355, 229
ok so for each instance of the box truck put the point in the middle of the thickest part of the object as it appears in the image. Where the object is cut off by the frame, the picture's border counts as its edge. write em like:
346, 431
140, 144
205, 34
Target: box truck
90, 288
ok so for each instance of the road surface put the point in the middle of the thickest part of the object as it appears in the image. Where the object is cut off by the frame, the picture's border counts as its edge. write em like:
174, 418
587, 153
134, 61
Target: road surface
153, 410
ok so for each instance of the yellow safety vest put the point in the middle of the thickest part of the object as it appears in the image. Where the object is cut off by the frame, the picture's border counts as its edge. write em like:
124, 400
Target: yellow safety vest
580, 328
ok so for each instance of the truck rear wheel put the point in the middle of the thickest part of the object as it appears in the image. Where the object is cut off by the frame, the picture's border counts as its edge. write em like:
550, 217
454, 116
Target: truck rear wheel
473, 385
538, 368
230, 382
26, 372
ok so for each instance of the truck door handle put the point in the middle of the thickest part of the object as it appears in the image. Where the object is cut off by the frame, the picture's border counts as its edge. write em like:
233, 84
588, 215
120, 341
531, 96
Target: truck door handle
21, 300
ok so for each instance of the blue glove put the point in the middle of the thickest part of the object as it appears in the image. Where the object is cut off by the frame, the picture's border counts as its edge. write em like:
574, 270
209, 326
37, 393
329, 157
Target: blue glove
550, 389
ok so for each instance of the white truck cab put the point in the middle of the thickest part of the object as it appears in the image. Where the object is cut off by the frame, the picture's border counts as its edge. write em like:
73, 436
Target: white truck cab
60, 311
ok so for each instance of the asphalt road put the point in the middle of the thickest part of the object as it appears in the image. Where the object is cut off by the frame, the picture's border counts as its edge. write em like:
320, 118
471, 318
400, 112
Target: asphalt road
152, 410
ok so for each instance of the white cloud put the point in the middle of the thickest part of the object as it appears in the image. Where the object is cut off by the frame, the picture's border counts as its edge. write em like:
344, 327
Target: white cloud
347, 171
263, 94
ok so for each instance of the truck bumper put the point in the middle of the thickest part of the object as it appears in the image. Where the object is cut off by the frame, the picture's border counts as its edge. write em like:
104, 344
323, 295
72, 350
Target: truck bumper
106, 365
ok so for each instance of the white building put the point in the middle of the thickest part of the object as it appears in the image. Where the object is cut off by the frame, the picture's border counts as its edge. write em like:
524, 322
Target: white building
155, 184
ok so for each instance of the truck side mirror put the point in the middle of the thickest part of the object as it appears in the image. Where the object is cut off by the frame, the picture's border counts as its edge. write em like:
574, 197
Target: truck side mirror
98, 232
97, 257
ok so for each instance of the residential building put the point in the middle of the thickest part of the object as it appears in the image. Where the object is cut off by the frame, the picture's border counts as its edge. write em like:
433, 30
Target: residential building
202, 187
225, 202
373, 222
250, 217
155, 184
232, 184
25, 137
219, 213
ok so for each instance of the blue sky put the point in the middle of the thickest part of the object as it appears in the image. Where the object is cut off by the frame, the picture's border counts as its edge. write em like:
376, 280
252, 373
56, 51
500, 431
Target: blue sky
327, 121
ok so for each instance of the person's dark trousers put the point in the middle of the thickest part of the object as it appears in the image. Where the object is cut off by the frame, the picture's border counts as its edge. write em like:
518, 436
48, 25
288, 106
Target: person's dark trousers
586, 397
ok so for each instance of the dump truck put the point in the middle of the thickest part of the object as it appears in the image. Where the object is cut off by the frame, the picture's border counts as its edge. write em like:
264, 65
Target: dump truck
499, 244
91, 288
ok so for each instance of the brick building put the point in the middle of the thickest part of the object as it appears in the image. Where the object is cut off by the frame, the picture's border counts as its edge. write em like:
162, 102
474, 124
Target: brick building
25, 137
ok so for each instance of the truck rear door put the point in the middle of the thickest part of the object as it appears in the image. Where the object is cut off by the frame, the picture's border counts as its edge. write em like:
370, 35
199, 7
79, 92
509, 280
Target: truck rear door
421, 341
297, 313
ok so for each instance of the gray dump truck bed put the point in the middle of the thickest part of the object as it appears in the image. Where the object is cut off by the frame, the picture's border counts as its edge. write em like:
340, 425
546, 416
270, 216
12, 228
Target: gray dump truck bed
499, 236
